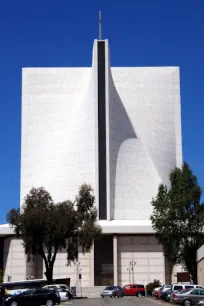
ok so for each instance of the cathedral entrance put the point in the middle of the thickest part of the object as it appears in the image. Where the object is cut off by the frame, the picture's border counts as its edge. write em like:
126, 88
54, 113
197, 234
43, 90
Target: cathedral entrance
103, 261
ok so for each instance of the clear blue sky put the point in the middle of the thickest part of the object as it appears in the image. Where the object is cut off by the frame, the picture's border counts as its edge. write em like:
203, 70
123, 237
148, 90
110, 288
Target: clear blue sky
60, 33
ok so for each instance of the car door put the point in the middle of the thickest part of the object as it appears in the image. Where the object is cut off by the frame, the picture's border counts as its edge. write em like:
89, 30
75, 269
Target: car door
195, 296
201, 294
134, 289
127, 290
38, 297
118, 291
121, 292
26, 298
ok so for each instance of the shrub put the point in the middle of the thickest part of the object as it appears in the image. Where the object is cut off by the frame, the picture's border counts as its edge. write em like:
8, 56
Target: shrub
150, 287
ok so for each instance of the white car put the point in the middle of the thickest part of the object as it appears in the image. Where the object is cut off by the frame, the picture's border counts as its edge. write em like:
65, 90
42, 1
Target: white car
62, 290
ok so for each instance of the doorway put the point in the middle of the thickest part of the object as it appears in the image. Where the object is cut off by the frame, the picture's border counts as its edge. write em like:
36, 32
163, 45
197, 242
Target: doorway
103, 261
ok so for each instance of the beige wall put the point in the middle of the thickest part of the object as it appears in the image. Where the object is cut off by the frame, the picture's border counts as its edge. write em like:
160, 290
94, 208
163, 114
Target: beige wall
200, 270
61, 269
14, 261
144, 250
148, 256
16, 266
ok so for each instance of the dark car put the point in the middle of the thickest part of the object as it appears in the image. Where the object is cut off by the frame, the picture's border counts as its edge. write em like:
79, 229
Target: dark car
166, 295
119, 291
34, 297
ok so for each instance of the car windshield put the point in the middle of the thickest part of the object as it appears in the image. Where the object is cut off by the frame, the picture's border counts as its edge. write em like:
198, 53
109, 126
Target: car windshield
109, 288
62, 286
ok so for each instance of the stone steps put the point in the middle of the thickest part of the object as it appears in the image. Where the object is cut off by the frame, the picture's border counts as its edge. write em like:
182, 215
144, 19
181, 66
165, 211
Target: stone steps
90, 292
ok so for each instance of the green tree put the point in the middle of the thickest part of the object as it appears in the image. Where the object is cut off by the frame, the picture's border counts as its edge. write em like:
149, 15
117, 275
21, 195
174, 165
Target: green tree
178, 218
47, 228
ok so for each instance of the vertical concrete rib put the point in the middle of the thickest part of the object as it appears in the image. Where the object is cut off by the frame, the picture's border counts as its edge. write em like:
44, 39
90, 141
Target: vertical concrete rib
102, 131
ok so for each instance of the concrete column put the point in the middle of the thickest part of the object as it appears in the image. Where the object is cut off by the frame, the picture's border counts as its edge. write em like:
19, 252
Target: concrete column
115, 260
92, 266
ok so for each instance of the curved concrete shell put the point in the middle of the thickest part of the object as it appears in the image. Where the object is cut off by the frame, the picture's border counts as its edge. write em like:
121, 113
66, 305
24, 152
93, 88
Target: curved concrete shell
117, 129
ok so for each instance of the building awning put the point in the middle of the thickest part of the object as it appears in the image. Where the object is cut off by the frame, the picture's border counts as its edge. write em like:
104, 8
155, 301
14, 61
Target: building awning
6, 230
108, 227
126, 227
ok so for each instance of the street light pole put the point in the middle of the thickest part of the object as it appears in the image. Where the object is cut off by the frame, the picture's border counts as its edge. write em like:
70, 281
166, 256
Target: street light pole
128, 269
79, 269
132, 264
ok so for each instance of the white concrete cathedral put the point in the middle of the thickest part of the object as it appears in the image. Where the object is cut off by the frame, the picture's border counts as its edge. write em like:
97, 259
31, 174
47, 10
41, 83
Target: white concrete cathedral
116, 128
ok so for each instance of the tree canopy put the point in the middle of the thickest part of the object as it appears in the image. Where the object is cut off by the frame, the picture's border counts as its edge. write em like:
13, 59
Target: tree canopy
47, 228
178, 218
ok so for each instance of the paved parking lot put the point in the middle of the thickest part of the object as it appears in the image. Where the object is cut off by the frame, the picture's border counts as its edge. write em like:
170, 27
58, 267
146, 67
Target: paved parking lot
125, 301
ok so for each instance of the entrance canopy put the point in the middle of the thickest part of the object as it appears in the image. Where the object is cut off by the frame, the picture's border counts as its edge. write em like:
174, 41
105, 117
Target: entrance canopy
5, 230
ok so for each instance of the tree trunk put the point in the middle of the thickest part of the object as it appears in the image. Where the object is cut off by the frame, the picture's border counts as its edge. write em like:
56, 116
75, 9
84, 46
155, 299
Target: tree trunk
49, 274
194, 277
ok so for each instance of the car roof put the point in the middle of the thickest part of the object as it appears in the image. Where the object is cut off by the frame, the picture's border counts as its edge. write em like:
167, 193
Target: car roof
134, 285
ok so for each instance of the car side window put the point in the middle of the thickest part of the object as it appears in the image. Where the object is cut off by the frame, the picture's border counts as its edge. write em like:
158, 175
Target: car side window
63, 287
127, 287
134, 286
40, 291
177, 288
28, 292
202, 292
195, 292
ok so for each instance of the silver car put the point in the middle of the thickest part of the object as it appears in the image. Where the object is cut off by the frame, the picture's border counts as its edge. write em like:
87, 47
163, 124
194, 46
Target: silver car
188, 297
112, 291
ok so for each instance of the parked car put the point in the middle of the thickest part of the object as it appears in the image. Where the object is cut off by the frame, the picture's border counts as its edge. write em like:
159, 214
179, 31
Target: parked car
64, 292
155, 291
112, 291
167, 295
158, 293
119, 291
134, 289
188, 297
34, 297
200, 303
162, 290
180, 286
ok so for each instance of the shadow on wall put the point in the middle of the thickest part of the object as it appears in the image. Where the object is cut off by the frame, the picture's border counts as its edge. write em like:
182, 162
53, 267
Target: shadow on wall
6, 265
120, 129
